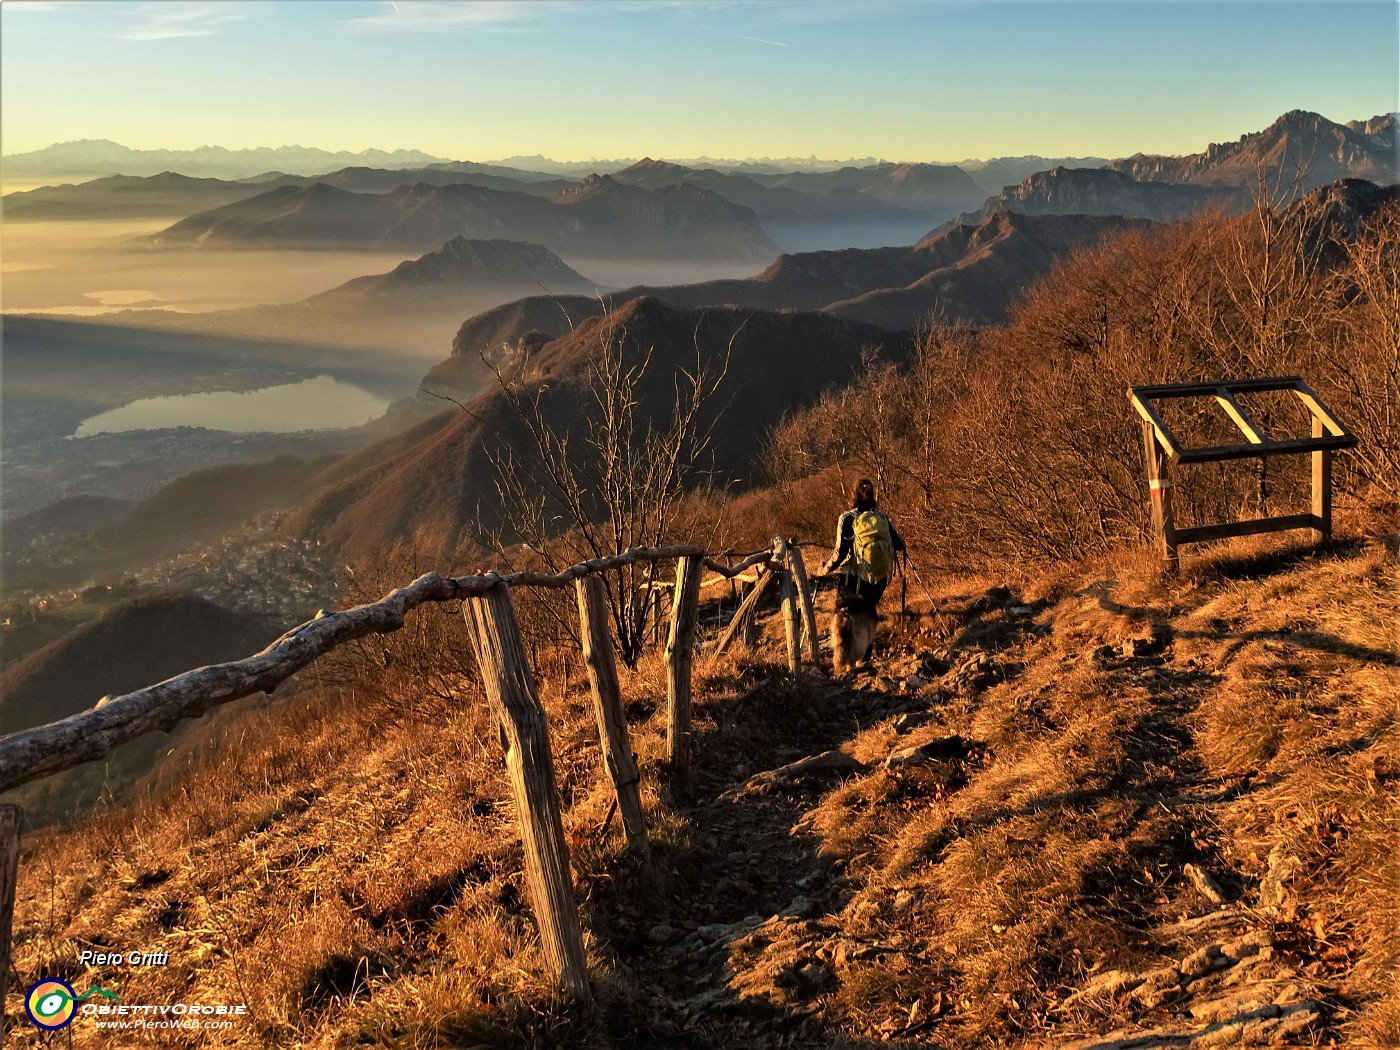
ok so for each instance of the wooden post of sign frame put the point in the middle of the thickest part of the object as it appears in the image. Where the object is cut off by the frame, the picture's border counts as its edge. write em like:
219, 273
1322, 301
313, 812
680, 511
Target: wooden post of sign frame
1159, 486
1321, 487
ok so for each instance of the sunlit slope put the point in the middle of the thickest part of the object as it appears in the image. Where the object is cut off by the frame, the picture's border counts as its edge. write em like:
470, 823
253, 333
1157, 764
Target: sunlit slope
999, 854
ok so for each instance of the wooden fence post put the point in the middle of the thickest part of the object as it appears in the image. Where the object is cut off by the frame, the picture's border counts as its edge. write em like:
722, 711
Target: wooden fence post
742, 625
804, 594
1160, 484
788, 593
1321, 486
9, 875
607, 705
792, 626
680, 654
744, 616
505, 672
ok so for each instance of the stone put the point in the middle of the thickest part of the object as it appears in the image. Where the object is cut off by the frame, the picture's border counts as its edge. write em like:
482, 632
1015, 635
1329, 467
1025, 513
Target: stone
1202, 961
1252, 943
661, 934
801, 907
1158, 987
1274, 886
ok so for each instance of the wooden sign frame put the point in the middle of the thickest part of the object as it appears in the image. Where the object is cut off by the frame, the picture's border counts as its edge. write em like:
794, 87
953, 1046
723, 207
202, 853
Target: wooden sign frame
1161, 448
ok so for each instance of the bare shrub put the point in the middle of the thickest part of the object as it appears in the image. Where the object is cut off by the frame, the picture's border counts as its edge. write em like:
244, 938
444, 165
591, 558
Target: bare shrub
613, 479
411, 674
1361, 362
1017, 443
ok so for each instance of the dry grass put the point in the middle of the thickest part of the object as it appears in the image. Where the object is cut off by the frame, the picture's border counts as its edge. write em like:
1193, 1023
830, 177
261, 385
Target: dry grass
1306, 711
345, 860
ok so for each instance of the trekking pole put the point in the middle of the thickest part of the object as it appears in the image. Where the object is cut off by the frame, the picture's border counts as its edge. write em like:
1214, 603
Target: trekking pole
919, 580
933, 603
904, 586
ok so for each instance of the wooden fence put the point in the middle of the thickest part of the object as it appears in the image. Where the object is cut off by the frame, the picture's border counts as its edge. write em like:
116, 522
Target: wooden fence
494, 633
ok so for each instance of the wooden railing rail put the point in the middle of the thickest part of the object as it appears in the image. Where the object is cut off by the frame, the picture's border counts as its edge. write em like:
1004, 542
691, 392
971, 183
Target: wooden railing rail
89, 735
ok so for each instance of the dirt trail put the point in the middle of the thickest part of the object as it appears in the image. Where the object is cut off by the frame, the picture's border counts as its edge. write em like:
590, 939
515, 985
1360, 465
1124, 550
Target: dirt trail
788, 925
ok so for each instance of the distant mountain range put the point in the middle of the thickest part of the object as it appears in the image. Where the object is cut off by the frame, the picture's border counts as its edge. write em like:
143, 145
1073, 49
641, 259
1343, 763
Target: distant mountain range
973, 273
598, 218
806, 207
1296, 154
884, 190
459, 266
170, 195
787, 213
104, 157
994, 175
124, 197
577, 169
382, 180
98, 157
1105, 191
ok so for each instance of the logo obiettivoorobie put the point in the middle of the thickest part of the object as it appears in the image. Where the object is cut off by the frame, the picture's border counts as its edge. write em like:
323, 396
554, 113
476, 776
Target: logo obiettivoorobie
51, 1004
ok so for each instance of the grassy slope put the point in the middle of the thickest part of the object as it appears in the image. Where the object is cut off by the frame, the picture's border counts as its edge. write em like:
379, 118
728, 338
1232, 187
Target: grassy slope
349, 866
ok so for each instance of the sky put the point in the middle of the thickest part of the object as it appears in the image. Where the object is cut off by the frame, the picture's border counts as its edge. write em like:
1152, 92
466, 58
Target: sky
903, 80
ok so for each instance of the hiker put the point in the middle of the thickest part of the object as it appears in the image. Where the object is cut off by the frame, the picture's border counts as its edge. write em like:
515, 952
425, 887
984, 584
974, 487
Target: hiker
866, 545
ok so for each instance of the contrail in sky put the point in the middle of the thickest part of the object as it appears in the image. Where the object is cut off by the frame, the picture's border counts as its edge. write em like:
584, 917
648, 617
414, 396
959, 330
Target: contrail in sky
741, 36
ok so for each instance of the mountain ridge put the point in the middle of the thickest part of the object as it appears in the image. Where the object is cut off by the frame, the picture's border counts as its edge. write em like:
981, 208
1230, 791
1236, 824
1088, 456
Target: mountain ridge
105, 157
1300, 146
1105, 191
599, 217
407, 308
971, 273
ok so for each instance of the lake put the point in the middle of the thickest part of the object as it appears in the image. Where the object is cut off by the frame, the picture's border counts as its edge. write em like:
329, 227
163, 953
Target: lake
322, 403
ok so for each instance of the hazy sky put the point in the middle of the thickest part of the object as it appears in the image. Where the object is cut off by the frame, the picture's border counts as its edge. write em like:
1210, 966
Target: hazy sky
575, 80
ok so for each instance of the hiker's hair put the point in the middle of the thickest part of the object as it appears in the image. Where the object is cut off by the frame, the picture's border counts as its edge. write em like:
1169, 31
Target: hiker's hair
863, 495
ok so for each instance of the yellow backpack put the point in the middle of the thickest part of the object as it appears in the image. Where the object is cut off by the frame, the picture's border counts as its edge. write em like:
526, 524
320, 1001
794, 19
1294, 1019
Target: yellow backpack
873, 551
